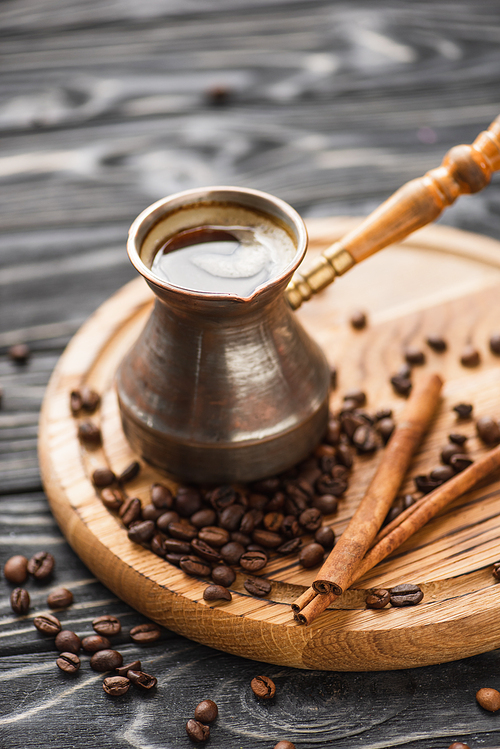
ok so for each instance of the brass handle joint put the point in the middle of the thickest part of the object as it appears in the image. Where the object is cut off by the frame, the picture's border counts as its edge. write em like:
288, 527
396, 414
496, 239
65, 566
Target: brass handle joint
335, 261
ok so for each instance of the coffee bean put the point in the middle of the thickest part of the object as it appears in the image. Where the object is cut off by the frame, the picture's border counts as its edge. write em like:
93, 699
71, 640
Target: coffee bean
383, 413
357, 395
141, 531
112, 499
89, 433
115, 686
489, 699
326, 464
197, 732
405, 371
206, 711
326, 504
290, 527
257, 586
401, 385
15, 569
68, 662
47, 624
495, 343
266, 486
150, 512
458, 745
267, 539
231, 552
272, 521
457, 439
449, 451
345, 456
194, 566
165, 519
326, 484
174, 559
94, 643
463, 410
60, 598
107, 625
488, 430
146, 633
126, 667
223, 575
385, 428
75, 401
496, 570
443, 473
325, 537
230, 517
470, 356
333, 377
284, 745
216, 593
365, 440
378, 598
214, 536
185, 531
414, 356
436, 343
68, 641
350, 422
311, 555
19, 353
332, 435
103, 477
222, 497
162, 497
20, 601
142, 680
157, 545
263, 687
358, 320
205, 551
188, 501
129, 473
289, 547
311, 519
130, 511
253, 561
106, 660
204, 517
90, 399
425, 484
405, 595
41, 565
460, 462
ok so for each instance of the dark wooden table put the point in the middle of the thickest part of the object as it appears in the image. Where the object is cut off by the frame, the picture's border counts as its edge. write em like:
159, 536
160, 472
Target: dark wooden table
106, 107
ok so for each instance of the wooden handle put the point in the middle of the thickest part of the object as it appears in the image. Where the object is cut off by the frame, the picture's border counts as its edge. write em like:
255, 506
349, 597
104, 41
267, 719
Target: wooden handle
465, 169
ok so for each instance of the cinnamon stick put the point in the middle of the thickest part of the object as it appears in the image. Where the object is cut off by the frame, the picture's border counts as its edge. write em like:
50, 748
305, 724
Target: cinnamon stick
406, 524
337, 572
302, 601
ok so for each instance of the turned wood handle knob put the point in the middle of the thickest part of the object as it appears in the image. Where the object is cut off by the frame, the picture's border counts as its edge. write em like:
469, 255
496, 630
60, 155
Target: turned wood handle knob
465, 169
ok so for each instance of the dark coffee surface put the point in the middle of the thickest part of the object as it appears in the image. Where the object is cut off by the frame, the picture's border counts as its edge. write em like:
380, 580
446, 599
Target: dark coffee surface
108, 107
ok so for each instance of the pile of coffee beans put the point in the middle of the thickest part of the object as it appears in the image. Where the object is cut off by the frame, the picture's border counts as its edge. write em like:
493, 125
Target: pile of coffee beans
399, 596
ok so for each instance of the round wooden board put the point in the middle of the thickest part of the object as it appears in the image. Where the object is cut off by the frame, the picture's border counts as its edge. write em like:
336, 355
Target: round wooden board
440, 280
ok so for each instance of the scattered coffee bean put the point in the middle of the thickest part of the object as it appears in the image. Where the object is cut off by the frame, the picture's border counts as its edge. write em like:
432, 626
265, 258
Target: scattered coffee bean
142, 680
130, 511
126, 667
470, 356
443, 473
358, 396
325, 537
20, 601
94, 643
217, 593
460, 462
223, 575
284, 745
401, 385
231, 553
257, 586
364, 439
449, 451
263, 687
68, 641
253, 561
47, 624
327, 484
206, 711
89, 433
106, 660
495, 343
194, 566
488, 430
378, 598
436, 343
112, 499
129, 473
103, 477
146, 633
457, 439
405, 595
15, 569
41, 565
489, 699
60, 598
414, 356
358, 320
19, 353
162, 497
385, 428
289, 547
68, 662
115, 686
326, 504
197, 732
107, 625
496, 570
141, 531
311, 555
463, 410
458, 745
